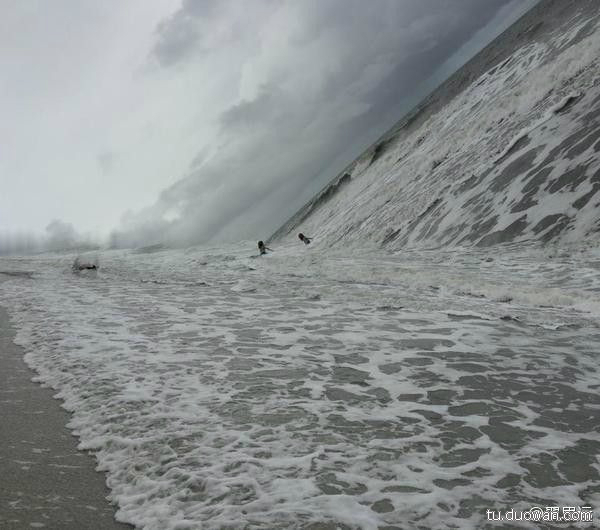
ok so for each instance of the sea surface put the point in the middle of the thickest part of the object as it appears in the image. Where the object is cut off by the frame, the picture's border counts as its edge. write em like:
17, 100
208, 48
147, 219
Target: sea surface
506, 150
323, 389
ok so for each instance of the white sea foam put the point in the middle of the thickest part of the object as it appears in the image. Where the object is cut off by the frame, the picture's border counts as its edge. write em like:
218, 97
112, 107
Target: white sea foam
395, 391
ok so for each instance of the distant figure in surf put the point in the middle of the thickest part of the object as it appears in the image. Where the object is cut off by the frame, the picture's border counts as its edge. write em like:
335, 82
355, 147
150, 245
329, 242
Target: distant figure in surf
304, 239
79, 266
262, 248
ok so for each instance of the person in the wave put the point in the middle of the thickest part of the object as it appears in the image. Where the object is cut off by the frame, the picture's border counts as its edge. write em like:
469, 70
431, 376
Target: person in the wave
304, 239
262, 248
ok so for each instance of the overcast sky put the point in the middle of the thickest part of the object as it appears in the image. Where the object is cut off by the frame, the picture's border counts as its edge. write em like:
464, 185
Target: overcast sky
207, 119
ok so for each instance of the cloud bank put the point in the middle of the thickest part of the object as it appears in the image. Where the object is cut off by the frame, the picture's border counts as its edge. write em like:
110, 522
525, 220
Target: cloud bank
314, 83
58, 237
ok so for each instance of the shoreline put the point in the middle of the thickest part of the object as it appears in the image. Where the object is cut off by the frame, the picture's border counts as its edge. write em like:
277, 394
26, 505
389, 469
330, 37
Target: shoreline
46, 481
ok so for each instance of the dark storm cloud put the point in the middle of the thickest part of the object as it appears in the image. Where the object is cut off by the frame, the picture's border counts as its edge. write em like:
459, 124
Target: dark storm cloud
335, 74
263, 109
180, 34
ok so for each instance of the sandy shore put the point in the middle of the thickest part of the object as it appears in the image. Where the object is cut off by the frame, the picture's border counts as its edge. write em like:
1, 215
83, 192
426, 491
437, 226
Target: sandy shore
46, 482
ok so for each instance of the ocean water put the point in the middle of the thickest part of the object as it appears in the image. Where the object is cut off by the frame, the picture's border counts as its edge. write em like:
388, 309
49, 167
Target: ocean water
507, 150
323, 389
433, 354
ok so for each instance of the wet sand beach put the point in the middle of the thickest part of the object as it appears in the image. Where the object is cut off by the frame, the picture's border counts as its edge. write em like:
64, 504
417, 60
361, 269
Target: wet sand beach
46, 482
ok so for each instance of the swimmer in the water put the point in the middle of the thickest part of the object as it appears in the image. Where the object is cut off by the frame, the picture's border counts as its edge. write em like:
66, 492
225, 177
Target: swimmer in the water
304, 239
262, 248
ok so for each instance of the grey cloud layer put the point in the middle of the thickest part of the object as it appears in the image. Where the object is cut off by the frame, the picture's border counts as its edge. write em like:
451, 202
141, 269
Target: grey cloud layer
319, 79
